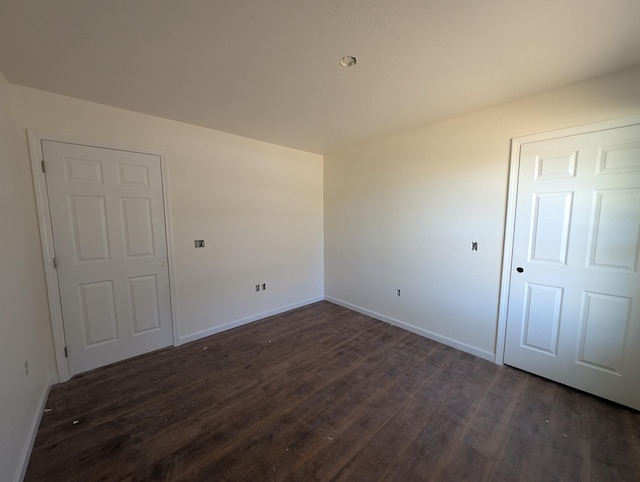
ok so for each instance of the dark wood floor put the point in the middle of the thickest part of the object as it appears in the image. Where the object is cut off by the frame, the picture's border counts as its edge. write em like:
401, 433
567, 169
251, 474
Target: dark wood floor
323, 393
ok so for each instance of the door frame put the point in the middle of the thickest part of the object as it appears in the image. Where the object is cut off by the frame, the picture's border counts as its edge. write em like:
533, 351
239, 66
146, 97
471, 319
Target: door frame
514, 168
36, 155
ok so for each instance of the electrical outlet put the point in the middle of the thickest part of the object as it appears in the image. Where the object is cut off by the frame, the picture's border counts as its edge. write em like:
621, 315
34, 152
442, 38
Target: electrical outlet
199, 243
398, 292
26, 368
257, 288
264, 286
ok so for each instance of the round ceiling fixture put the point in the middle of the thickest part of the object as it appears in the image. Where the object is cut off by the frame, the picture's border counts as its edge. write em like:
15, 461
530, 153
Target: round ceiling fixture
348, 61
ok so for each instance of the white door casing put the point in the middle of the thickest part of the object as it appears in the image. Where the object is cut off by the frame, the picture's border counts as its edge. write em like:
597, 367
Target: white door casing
110, 296
572, 314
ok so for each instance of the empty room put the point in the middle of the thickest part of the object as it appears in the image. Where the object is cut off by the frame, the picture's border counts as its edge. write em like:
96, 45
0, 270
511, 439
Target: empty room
320, 240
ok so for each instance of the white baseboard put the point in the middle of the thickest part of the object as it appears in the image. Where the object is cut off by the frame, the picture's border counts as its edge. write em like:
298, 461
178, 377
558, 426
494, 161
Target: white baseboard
33, 429
244, 321
458, 345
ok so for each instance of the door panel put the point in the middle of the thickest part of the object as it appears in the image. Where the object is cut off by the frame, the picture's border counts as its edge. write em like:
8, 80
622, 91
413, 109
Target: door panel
614, 238
107, 217
573, 312
143, 291
550, 231
604, 324
137, 227
98, 313
542, 317
89, 226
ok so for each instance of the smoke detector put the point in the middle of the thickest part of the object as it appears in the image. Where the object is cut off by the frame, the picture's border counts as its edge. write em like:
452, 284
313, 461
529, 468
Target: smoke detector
348, 61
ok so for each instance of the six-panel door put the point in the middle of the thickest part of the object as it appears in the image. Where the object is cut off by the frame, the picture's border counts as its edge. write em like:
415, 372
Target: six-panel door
108, 226
573, 312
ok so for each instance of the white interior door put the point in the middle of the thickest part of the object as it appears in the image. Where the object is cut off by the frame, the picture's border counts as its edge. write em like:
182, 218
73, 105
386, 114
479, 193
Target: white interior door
573, 313
108, 224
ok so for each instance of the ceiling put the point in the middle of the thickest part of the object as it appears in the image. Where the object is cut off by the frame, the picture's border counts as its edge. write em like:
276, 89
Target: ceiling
269, 69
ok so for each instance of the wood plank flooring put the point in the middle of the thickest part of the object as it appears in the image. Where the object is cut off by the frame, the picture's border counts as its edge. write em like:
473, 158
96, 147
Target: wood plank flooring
323, 393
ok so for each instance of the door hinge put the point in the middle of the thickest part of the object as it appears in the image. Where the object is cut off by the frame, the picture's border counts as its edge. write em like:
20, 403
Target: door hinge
43, 168
66, 355
55, 263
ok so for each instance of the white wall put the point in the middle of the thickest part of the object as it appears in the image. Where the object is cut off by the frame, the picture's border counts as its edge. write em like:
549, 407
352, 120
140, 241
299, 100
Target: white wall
25, 331
401, 212
258, 207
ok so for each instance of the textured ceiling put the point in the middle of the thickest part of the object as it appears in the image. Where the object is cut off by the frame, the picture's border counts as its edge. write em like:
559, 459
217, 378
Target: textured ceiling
269, 69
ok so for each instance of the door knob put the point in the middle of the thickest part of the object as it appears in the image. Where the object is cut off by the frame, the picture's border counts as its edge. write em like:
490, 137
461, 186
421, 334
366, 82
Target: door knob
520, 269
